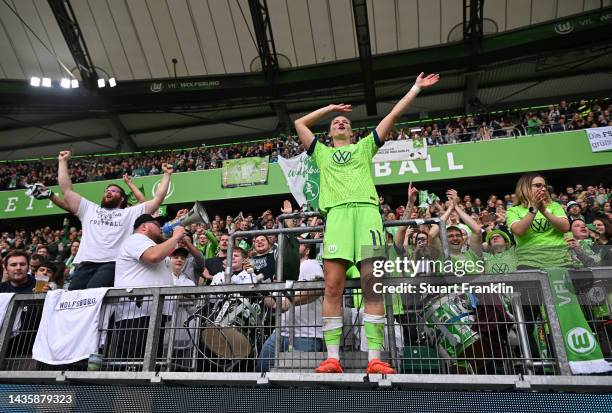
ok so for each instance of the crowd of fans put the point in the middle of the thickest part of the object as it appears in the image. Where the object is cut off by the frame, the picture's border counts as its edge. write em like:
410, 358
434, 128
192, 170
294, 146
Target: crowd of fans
590, 203
477, 231
555, 118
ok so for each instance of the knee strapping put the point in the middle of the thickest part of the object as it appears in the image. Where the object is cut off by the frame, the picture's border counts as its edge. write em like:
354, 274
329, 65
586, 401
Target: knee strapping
331, 323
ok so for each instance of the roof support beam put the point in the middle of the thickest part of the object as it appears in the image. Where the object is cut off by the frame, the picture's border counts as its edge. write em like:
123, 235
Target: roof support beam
360, 11
47, 122
473, 23
284, 121
269, 60
68, 24
265, 40
119, 132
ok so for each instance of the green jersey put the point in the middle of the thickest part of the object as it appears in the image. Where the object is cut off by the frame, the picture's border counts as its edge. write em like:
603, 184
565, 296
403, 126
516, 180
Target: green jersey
346, 172
542, 245
465, 263
500, 262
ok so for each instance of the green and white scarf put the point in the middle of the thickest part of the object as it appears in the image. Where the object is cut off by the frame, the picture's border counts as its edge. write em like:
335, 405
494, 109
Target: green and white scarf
583, 351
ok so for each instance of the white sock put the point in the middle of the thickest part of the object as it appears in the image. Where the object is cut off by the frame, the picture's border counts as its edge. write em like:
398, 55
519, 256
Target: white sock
373, 354
333, 351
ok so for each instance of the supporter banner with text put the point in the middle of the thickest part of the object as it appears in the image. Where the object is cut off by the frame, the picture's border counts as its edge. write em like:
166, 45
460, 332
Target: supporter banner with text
245, 172
404, 150
600, 138
498, 156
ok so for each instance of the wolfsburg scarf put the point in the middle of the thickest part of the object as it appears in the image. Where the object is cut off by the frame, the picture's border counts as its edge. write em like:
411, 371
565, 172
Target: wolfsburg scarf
583, 351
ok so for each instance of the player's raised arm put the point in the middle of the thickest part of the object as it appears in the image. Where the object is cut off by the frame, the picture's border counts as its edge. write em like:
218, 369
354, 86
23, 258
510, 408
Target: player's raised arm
303, 124
422, 82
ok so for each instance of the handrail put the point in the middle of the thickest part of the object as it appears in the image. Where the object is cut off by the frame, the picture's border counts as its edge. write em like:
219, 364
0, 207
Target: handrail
521, 280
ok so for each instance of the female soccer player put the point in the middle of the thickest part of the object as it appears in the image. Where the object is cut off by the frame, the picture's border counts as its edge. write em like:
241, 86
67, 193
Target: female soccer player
353, 232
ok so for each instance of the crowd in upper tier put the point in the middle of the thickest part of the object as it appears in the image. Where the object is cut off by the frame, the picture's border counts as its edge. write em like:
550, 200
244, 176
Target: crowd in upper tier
555, 118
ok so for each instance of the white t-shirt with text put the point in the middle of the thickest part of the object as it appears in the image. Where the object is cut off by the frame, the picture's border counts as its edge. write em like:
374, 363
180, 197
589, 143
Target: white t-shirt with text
104, 230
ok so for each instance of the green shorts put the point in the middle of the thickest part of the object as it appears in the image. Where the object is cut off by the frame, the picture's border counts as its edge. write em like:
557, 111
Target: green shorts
354, 232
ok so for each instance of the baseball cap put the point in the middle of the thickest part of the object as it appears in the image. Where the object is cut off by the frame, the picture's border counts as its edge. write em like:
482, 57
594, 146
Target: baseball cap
144, 218
499, 232
453, 227
180, 251
243, 245
571, 204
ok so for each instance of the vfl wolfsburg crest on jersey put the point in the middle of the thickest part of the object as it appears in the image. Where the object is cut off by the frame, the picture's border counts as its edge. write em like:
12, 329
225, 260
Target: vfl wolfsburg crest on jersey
303, 178
540, 225
341, 156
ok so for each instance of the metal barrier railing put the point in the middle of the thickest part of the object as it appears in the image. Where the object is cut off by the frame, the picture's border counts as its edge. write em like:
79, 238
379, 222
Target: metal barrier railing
232, 328
245, 328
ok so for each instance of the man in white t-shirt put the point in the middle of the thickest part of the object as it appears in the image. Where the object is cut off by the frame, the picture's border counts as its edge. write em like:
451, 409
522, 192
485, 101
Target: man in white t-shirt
141, 262
105, 226
305, 323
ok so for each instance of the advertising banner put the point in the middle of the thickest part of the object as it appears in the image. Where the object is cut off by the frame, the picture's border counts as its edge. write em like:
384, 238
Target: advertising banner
245, 172
404, 150
600, 138
498, 156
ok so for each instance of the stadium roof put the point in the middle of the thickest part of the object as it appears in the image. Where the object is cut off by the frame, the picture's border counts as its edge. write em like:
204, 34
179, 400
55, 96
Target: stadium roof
246, 67
137, 39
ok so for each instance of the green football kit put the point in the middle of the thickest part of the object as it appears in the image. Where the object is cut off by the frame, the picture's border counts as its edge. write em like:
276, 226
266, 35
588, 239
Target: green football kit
348, 198
353, 228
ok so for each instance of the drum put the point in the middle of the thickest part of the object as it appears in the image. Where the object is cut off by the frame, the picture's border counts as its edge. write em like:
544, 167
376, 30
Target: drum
228, 330
448, 322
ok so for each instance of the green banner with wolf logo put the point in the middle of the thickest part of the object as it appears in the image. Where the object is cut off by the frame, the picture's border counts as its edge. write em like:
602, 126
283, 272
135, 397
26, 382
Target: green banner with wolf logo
497, 156
583, 351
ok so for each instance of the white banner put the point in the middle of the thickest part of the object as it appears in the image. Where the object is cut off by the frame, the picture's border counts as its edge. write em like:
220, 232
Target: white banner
600, 138
295, 180
403, 150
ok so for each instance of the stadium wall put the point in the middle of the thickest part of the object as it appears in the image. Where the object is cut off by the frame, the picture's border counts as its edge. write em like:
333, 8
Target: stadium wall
495, 157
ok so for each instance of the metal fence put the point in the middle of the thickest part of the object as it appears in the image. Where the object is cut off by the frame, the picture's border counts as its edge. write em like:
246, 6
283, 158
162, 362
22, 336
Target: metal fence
433, 325
233, 328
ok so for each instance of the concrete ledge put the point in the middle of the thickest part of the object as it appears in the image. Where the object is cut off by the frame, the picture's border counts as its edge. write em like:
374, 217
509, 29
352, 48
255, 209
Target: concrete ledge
31, 377
352, 380
110, 377
585, 384
455, 382
570, 383
193, 379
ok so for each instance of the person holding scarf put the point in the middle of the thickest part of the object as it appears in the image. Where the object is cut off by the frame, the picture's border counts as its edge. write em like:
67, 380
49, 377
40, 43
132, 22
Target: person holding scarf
539, 225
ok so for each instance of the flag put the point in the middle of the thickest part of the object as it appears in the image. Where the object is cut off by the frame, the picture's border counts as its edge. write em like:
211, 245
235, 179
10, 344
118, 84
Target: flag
583, 351
302, 176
